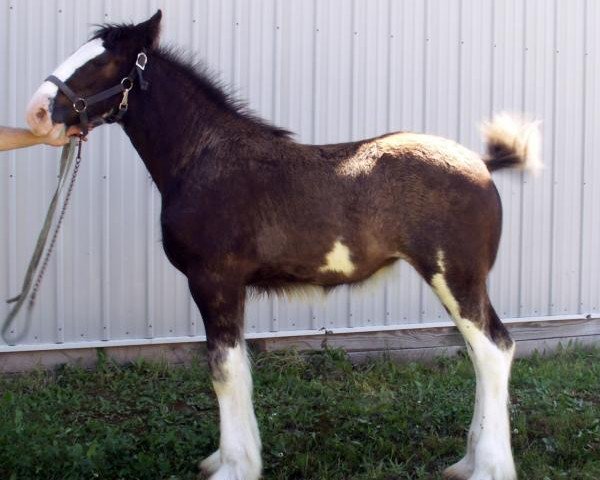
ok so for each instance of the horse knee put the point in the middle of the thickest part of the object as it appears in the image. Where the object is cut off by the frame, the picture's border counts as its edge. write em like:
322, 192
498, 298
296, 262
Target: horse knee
222, 308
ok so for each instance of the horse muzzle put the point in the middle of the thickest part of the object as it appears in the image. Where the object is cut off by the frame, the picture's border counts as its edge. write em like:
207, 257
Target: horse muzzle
39, 110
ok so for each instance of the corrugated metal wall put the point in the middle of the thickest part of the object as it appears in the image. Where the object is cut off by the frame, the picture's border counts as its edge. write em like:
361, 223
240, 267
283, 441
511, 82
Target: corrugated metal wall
331, 71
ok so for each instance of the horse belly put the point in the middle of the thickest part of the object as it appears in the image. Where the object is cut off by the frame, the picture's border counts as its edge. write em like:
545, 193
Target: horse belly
330, 262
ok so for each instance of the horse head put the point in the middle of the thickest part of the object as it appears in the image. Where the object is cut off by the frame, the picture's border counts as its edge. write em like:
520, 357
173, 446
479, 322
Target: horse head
92, 85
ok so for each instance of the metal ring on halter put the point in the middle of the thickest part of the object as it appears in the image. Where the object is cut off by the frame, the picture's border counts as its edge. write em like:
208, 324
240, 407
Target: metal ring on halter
80, 105
130, 84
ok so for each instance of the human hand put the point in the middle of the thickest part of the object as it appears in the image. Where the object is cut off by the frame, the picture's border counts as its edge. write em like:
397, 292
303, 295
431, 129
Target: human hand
11, 138
58, 136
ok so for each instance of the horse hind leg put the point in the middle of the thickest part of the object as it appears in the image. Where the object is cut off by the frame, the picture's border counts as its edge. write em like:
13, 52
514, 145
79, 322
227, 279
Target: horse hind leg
464, 295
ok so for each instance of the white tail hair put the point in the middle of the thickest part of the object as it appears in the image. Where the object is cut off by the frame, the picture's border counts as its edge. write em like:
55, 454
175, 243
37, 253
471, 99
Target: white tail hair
512, 141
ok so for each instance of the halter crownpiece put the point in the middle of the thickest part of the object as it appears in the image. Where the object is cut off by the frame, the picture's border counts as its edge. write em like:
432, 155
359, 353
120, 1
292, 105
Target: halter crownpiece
81, 104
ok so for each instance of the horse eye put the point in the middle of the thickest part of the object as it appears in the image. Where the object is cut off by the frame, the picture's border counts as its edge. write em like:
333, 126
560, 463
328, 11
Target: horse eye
100, 62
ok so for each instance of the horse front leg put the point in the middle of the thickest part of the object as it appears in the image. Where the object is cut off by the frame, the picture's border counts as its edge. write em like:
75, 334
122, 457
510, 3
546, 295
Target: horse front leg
221, 304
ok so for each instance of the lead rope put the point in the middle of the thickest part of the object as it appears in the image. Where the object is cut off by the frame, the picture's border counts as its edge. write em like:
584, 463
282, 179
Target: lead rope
66, 161
40, 275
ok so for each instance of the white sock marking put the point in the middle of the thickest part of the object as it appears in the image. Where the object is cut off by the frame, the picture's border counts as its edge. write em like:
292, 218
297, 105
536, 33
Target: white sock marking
489, 453
240, 439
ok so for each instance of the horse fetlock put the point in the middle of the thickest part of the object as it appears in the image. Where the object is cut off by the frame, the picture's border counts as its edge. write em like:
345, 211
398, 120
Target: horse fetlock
493, 476
496, 469
211, 464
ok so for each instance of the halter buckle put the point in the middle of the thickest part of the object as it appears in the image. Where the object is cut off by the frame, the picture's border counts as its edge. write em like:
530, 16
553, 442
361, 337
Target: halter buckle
80, 105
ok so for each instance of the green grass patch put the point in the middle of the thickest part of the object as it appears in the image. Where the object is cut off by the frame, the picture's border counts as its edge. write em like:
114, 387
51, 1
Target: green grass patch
320, 418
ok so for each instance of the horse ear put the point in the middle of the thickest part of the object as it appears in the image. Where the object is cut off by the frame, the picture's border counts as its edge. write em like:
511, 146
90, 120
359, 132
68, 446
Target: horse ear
150, 30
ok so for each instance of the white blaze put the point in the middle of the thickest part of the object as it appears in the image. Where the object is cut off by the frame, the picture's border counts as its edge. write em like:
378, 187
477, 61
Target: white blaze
84, 54
38, 110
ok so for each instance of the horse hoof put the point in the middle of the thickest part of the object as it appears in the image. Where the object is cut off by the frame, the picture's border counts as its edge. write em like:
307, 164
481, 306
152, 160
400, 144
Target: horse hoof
463, 471
213, 469
459, 471
493, 476
211, 464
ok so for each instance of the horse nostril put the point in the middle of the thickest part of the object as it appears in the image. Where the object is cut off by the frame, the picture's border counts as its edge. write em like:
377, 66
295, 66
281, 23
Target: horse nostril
41, 114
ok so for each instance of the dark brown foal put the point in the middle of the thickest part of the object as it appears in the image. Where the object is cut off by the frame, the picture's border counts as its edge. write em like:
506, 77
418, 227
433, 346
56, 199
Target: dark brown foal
245, 206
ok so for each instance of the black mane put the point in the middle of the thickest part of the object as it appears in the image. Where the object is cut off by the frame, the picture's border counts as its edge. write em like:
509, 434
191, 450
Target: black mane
203, 78
214, 88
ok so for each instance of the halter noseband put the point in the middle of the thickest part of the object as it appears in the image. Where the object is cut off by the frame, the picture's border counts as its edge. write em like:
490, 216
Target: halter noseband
81, 104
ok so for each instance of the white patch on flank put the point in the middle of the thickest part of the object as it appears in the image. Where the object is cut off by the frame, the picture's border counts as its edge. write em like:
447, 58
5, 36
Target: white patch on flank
338, 260
84, 54
489, 454
238, 457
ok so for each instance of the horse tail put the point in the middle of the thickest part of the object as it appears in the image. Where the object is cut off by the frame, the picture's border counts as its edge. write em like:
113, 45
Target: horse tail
512, 143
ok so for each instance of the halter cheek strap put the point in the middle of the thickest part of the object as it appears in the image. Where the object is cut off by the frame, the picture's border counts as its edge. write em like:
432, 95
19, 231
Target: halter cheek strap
81, 104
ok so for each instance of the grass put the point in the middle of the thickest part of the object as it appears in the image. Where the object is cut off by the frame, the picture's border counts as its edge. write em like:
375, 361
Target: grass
320, 417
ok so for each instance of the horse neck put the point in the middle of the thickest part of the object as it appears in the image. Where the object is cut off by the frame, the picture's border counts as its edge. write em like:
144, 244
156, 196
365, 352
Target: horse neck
168, 123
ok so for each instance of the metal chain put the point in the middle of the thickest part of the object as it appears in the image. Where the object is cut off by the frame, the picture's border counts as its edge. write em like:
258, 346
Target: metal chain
42, 271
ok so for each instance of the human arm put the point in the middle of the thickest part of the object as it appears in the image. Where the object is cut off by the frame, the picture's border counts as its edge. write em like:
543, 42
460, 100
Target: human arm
11, 138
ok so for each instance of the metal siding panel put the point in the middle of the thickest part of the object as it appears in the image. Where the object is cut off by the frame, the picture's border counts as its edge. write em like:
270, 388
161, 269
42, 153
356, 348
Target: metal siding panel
536, 236
590, 253
442, 72
568, 147
330, 71
475, 71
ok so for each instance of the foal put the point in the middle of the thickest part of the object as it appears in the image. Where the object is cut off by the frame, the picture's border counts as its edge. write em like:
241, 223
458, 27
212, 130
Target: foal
243, 205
